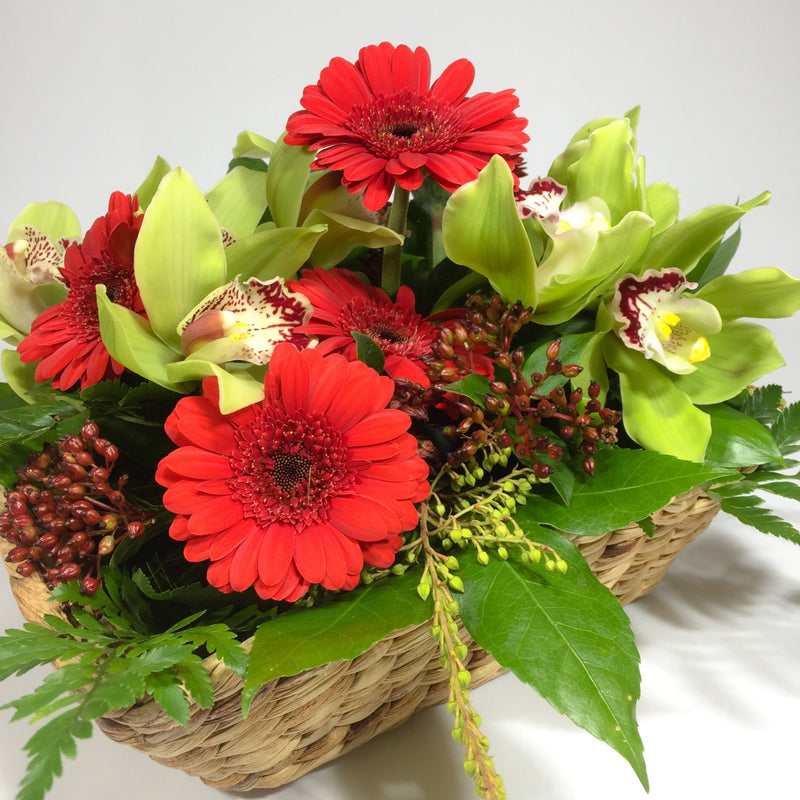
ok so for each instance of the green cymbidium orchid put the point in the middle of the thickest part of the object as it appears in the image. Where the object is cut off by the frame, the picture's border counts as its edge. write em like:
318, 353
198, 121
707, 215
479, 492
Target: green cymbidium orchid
675, 353
30, 265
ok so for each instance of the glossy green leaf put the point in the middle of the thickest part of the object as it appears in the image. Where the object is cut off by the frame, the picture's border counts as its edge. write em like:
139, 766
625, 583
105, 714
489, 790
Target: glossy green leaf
655, 412
55, 220
129, 338
341, 629
471, 219
286, 182
178, 258
239, 200
714, 264
272, 253
369, 351
764, 292
741, 353
738, 440
626, 487
563, 634
151, 183
344, 234
252, 145
473, 386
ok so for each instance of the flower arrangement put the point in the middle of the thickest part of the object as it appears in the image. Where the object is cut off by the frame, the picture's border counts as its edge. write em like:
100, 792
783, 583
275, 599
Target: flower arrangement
369, 381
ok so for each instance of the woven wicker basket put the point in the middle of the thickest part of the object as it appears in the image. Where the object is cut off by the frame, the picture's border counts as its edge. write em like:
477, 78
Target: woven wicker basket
301, 722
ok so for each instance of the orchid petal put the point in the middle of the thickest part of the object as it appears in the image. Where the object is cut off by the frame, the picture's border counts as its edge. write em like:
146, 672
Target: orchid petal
656, 414
239, 200
272, 253
251, 145
473, 215
244, 321
764, 292
179, 256
237, 389
286, 182
55, 220
144, 194
741, 353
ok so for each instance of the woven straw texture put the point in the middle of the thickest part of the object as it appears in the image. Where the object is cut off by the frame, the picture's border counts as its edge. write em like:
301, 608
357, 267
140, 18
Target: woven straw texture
301, 722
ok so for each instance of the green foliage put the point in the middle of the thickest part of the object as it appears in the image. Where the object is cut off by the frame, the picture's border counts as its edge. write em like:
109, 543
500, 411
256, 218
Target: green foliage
565, 635
105, 668
627, 486
369, 351
303, 638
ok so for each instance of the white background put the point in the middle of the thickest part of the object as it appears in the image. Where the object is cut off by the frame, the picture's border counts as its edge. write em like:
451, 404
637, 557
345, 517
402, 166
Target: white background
92, 91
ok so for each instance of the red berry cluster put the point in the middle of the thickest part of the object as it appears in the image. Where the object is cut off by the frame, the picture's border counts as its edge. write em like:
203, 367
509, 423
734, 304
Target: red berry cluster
515, 412
63, 515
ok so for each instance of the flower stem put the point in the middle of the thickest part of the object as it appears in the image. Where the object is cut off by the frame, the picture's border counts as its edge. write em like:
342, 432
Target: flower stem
390, 272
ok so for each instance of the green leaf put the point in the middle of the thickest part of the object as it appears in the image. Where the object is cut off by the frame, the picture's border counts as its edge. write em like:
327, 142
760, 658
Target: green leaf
178, 259
342, 629
170, 696
786, 429
627, 486
473, 386
763, 403
563, 634
749, 510
470, 222
369, 351
714, 266
738, 440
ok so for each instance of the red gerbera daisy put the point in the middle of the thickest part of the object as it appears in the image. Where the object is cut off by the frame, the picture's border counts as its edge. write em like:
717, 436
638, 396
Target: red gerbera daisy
302, 488
66, 337
381, 122
343, 304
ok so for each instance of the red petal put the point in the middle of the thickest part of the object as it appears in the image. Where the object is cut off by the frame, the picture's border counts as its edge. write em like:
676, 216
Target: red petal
453, 84
309, 555
377, 428
216, 514
275, 553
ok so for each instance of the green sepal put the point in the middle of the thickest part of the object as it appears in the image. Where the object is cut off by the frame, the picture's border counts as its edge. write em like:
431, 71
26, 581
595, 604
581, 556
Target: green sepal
655, 412
251, 145
344, 234
53, 219
20, 376
239, 200
150, 184
565, 635
602, 165
130, 339
741, 353
272, 253
178, 258
764, 292
286, 182
470, 224
237, 388
663, 205
684, 243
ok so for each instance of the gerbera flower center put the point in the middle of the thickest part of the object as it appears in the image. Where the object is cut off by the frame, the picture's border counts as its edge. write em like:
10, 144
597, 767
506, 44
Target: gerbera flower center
406, 121
394, 329
287, 466
81, 298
